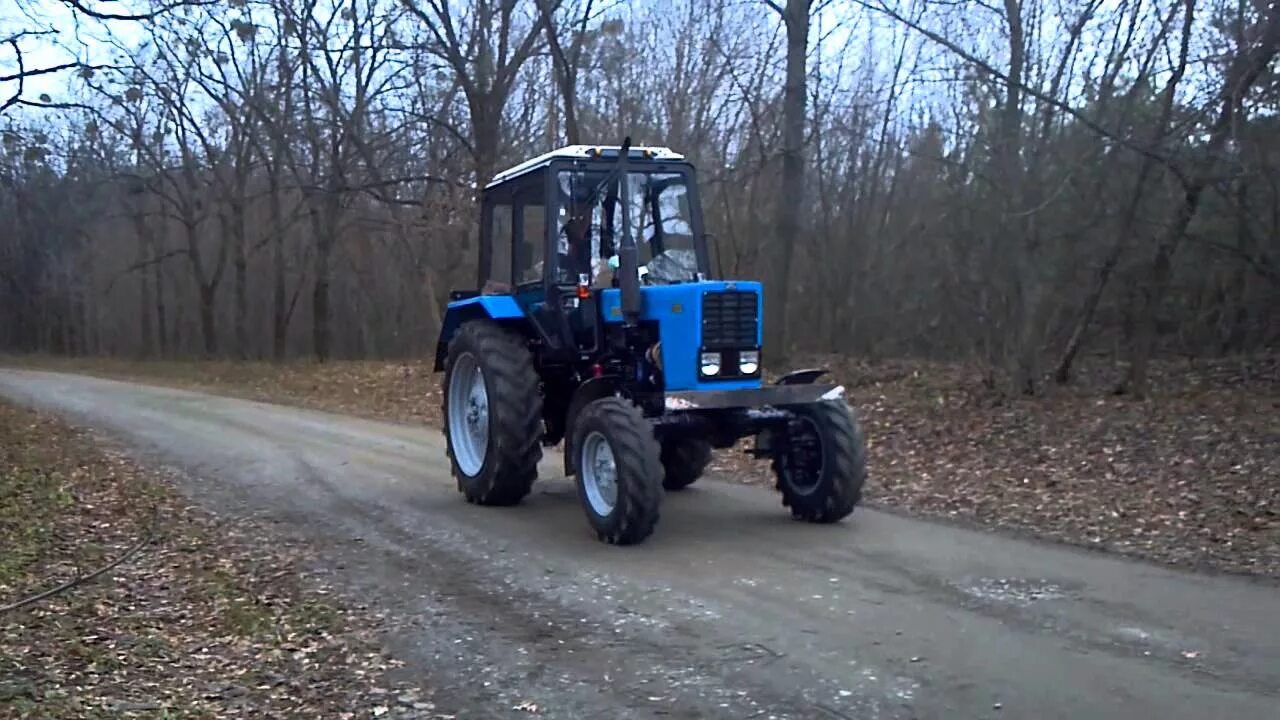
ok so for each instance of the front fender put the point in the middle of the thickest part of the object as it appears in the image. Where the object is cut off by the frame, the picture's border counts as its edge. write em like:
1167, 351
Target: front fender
587, 392
801, 377
767, 396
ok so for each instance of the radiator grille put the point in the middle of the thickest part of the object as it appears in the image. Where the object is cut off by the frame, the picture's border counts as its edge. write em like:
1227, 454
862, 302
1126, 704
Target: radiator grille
730, 320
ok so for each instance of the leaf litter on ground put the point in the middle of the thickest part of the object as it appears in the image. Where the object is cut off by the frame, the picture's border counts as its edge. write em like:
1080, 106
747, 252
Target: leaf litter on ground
206, 620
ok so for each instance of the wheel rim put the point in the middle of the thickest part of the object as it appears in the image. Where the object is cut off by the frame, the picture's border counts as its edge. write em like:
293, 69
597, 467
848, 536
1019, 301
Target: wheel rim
805, 459
468, 414
599, 474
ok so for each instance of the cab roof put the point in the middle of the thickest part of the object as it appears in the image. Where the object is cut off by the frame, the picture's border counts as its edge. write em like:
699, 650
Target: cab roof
583, 152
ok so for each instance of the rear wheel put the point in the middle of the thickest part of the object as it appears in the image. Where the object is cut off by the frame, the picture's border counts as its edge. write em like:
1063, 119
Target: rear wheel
820, 462
492, 412
619, 470
683, 461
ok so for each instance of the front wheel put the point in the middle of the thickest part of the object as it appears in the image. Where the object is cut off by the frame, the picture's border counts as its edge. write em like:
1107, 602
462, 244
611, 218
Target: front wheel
619, 470
820, 462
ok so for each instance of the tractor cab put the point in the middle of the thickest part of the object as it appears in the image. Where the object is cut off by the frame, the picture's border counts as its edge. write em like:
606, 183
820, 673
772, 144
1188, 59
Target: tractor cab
556, 234
560, 216
597, 322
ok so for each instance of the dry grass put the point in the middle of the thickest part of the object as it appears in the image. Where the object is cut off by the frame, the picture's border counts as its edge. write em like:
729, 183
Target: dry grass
402, 392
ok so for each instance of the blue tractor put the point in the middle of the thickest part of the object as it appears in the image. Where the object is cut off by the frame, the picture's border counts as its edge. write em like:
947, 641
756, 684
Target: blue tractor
598, 323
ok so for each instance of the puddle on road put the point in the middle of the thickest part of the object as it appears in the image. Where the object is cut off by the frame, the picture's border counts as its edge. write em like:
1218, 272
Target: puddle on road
1013, 591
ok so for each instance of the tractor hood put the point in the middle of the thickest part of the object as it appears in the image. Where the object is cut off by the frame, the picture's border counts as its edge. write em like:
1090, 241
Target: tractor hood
717, 316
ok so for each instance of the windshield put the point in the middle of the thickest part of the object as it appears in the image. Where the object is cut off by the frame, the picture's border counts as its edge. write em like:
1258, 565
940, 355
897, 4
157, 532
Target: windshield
590, 220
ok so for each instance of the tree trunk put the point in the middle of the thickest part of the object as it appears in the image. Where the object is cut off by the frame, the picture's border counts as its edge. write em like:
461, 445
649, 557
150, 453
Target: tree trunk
792, 192
320, 306
145, 256
162, 328
279, 310
320, 290
1017, 239
566, 70
144, 315
1062, 375
240, 266
1237, 308
234, 232
208, 324
486, 129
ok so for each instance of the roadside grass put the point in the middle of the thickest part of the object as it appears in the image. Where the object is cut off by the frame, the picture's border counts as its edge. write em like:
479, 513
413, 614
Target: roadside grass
206, 620
30, 501
406, 392
1190, 476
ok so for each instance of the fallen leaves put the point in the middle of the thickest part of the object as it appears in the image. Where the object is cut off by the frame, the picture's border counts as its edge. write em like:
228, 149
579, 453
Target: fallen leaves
209, 621
1189, 477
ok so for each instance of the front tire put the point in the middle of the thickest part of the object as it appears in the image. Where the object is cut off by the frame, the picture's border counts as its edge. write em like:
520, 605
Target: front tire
619, 470
683, 461
492, 413
820, 462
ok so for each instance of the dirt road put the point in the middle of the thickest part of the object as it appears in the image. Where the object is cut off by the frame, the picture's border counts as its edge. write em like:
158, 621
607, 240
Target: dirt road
731, 609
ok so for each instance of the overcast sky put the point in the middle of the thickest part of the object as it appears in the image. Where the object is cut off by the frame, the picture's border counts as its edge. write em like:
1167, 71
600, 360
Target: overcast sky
843, 27
69, 38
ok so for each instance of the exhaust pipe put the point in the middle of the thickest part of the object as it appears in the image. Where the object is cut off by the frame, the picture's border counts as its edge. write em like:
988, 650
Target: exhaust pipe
628, 255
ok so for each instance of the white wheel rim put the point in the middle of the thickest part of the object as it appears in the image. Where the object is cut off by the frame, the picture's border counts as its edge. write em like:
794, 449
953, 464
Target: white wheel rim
468, 414
599, 474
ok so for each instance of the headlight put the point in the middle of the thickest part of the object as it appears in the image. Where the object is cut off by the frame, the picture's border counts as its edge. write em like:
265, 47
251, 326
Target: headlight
709, 363
749, 362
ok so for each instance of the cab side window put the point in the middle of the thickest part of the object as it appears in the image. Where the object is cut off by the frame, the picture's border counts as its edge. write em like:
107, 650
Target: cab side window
529, 223
532, 218
500, 259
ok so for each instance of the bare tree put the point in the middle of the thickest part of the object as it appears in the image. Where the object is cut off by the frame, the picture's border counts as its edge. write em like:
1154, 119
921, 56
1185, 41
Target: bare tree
1250, 59
485, 52
1025, 184
567, 61
787, 229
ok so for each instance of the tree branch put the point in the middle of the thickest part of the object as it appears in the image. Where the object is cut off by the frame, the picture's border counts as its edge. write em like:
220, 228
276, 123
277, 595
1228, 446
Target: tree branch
82, 579
987, 68
81, 7
22, 76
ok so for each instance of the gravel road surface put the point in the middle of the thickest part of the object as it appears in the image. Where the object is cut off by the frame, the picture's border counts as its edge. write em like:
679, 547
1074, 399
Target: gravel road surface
731, 610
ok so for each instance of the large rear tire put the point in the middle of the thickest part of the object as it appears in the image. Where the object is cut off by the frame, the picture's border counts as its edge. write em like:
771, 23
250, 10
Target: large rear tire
820, 463
492, 414
619, 470
683, 461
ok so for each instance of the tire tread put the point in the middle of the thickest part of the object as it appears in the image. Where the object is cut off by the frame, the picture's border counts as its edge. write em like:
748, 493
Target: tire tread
843, 437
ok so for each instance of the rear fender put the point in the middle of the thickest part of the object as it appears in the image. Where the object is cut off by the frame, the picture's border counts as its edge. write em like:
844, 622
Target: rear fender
500, 308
